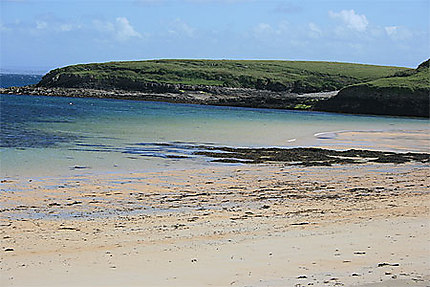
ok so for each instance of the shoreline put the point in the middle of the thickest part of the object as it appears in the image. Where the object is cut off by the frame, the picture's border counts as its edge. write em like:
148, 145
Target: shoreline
189, 156
209, 95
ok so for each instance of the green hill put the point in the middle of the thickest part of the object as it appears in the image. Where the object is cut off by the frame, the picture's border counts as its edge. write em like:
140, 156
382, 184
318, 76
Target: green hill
406, 94
174, 75
364, 89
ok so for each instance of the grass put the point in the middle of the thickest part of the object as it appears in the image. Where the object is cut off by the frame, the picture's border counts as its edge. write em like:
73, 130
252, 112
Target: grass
272, 75
406, 93
410, 80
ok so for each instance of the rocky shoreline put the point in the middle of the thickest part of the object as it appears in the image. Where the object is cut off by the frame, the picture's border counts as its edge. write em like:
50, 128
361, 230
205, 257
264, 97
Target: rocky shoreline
350, 100
204, 95
365, 99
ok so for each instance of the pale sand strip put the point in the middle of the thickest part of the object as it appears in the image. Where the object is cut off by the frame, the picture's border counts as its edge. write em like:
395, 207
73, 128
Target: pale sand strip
242, 226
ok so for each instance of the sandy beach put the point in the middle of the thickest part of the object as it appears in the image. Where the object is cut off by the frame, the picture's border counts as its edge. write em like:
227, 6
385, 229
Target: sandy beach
232, 225
191, 143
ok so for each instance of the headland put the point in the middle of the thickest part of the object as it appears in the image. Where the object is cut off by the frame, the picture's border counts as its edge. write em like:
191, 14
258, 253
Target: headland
299, 85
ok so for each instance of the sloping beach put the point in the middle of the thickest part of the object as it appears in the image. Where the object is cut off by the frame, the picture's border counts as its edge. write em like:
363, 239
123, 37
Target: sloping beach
214, 143
248, 225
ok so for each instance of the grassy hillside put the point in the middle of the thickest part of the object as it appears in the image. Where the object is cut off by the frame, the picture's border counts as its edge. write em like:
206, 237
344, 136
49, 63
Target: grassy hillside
411, 80
406, 93
294, 76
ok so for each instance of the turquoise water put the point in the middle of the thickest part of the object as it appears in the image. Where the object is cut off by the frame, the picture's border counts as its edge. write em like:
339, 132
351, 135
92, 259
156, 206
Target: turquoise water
55, 135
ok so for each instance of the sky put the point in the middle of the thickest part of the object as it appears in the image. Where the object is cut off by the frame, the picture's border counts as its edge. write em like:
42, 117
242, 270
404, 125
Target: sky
42, 35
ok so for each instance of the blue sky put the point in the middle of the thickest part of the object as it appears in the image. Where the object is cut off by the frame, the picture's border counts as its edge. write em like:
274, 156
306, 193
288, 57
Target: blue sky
41, 35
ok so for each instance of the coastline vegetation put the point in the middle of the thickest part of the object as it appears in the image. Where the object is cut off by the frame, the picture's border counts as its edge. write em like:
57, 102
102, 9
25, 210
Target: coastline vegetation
410, 79
298, 85
406, 93
294, 76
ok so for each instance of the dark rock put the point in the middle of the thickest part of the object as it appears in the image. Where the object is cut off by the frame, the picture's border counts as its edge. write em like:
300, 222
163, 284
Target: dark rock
383, 264
74, 203
54, 204
68, 228
300, 223
366, 99
405, 94
206, 95
79, 167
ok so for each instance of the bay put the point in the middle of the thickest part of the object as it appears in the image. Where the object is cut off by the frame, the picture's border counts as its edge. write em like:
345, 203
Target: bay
59, 135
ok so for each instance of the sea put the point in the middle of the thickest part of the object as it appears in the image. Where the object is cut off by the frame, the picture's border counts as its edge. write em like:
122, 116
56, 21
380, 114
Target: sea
61, 136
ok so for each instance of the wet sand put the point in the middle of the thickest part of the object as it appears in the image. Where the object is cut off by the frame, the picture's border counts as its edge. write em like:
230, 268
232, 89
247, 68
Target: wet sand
248, 225
395, 140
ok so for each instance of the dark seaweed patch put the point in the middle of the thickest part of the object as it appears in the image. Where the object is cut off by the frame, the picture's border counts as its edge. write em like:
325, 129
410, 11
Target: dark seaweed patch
309, 156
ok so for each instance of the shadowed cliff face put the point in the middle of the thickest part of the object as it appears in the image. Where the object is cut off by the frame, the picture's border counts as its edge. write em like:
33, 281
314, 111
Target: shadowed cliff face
58, 79
365, 99
424, 65
407, 94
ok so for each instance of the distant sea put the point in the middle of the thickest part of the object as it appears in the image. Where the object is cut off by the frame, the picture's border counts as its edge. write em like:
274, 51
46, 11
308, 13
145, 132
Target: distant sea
18, 80
67, 136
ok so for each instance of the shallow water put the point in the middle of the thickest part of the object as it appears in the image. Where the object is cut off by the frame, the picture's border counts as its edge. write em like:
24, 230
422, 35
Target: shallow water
57, 135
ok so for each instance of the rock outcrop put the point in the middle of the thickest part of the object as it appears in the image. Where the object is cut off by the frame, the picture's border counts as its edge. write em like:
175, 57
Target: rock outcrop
204, 95
406, 94
366, 99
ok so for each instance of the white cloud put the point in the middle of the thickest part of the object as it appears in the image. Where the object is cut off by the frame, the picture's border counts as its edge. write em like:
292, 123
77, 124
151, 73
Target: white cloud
181, 28
104, 26
124, 30
121, 29
263, 29
66, 27
351, 19
391, 30
398, 33
41, 25
49, 24
4, 28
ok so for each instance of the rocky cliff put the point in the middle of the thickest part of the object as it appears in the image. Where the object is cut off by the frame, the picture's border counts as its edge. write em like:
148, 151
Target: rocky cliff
405, 94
